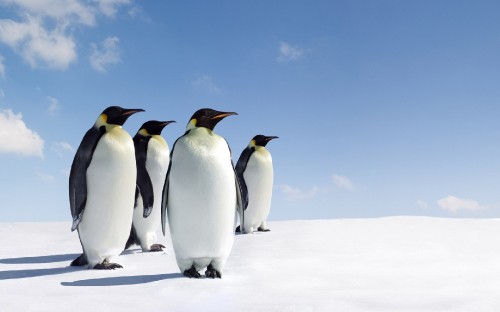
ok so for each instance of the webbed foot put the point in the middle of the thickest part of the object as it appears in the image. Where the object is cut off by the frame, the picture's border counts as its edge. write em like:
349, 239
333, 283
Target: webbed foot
105, 265
80, 261
212, 273
192, 273
261, 229
156, 248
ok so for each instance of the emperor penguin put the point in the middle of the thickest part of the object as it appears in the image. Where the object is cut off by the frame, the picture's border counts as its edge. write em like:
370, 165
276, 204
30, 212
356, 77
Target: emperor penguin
201, 196
152, 159
255, 174
102, 185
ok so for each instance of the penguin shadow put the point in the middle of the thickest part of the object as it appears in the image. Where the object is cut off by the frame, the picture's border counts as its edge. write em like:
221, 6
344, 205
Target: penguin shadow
27, 273
39, 259
123, 280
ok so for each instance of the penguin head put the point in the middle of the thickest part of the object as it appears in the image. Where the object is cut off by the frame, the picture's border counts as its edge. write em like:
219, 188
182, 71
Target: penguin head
207, 118
115, 116
261, 140
153, 127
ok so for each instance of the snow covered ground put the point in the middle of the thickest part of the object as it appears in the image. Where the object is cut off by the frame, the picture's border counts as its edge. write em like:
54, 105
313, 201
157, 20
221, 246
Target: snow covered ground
387, 264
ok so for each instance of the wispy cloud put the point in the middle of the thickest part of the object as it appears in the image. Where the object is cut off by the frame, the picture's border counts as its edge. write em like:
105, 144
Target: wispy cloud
296, 194
54, 105
105, 54
206, 83
43, 34
16, 137
288, 52
2, 67
422, 204
455, 204
342, 182
109, 7
61, 148
44, 177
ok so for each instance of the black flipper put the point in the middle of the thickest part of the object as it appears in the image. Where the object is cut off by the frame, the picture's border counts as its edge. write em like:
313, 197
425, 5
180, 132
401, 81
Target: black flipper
164, 197
144, 183
78, 174
241, 186
241, 165
80, 261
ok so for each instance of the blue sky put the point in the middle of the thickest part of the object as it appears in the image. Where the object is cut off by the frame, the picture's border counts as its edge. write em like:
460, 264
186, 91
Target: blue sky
382, 107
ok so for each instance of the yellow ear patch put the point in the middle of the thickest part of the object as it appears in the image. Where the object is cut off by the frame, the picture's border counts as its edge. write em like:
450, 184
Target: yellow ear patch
192, 124
102, 120
252, 143
143, 132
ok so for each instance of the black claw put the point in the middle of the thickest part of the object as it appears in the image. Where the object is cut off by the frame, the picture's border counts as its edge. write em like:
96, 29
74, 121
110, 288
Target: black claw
192, 273
212, 273
105, 265
238, 230
261, 229
156, 247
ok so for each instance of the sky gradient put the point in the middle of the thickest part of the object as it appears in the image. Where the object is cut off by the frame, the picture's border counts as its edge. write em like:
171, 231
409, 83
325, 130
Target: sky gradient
382, 107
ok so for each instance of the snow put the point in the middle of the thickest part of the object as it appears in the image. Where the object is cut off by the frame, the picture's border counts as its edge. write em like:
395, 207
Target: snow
386, 264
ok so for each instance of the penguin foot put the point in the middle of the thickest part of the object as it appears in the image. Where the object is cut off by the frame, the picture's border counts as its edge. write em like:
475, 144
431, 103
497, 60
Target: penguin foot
80, 261
105, 265
156, 248
192, 273
238, 230
261, 229
212, 273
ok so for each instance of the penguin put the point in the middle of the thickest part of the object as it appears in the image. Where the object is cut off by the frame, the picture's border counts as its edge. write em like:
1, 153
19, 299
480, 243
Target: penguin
152, 159
102, 185
255, 174
201, 197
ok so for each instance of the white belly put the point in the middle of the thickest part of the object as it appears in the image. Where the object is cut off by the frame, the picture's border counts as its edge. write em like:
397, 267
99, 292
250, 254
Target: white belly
259, 180
111, 179
202, 201
157, 165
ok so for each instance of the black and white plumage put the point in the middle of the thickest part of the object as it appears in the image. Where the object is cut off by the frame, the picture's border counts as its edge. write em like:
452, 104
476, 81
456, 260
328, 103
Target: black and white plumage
102, 187
152, 158
201, 197
255, 174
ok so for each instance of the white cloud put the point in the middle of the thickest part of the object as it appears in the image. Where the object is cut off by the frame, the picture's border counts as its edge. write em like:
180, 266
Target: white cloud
2, 68
422, 204
44, 177
289, 53
60, 148
204, 82
343, 182
105, 54
455, 204
54, 105
296, 194
109, 7
16, 138
38, 46
43, 34
63, 11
